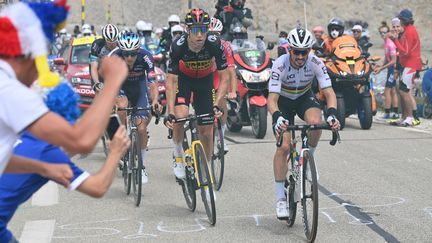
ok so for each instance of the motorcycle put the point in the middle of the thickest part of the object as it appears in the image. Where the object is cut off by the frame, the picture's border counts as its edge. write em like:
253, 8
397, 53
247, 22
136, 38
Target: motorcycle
253, 69
349, 71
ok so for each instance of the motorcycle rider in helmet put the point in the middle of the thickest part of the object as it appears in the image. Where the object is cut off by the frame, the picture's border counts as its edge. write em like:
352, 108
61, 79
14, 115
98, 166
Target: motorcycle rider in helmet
335, 28
235, 15
166, 38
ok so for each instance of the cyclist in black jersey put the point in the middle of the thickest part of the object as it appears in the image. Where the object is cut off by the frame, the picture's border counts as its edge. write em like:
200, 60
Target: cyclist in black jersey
135, 90
99, 49
193, 58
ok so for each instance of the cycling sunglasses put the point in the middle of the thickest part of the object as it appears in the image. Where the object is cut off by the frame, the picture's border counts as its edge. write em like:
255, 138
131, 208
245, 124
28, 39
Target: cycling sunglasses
195, 29
303, 52
129, 53
177, 32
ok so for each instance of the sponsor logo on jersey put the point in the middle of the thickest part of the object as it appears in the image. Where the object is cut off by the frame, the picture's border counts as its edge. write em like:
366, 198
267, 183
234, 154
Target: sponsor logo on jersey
199, 65
315, 60
281, 68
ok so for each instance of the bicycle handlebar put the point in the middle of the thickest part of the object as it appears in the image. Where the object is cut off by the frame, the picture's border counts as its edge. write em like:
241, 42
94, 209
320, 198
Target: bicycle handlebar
136, 109
335, 134
188, 118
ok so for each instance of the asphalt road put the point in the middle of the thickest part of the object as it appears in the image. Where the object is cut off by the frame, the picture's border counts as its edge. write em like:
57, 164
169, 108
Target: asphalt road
374, 187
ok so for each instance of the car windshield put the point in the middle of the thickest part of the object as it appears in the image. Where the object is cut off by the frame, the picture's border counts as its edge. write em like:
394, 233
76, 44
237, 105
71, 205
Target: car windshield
80, 54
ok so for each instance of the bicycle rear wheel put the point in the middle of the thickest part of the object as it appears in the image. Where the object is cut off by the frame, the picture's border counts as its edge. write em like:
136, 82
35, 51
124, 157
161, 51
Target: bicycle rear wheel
218, 159
309, 200
206, 183
136, 163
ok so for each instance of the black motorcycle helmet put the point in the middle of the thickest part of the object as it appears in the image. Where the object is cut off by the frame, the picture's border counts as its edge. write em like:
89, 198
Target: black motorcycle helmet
336, 23
236, 4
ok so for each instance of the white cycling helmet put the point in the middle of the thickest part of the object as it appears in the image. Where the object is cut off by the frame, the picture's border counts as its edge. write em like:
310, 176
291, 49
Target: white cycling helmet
174, 18
215, 25
176, 28
87, 32
159, 31
110, 32
129, 42
63, 31
300, 38
148, 27
140, 25
86, 27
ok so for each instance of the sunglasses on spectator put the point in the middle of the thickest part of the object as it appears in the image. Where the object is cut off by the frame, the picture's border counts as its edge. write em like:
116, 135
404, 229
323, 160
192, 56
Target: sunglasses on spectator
303, 52
383, 32
356, 31
129, 53
195, 29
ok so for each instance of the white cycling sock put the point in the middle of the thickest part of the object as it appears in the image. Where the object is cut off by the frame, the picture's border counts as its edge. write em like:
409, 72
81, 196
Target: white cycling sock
312, 150
223, 130
280, 190
178, 150
143, 155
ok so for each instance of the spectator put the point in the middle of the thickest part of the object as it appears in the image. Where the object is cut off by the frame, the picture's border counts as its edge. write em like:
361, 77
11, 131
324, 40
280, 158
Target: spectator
362, 40
283, 43
390, 96
408, 46
318, 46
76, 31
93, 30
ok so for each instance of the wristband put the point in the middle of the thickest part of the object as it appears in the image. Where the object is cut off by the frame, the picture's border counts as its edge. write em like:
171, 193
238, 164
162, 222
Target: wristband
331, 112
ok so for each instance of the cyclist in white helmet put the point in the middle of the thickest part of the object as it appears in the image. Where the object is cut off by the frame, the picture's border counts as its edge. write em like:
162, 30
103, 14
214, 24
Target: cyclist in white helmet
290, 94
216, 28
101, 48
135, 90
176, 31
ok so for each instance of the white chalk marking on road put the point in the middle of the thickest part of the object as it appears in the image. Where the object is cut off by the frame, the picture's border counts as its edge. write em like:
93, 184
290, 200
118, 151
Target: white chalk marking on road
38, 231
415, 130
256, 217
139, 234
358, 221
428, 211
47, 195
81, 226
428, 159
165, 229
329, 217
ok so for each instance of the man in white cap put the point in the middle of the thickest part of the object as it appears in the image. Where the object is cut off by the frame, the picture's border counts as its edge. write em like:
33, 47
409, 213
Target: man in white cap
25, 30
362, 40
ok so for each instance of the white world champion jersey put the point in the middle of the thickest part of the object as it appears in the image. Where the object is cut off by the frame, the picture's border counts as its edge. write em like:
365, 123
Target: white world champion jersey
292, 83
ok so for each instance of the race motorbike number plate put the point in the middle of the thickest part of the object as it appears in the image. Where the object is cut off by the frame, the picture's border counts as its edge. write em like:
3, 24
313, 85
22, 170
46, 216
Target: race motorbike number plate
252, 54
350, 62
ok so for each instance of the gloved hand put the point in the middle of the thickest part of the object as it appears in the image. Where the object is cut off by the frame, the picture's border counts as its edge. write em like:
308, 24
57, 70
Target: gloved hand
169, 120
332, 120
279, 122
218, 111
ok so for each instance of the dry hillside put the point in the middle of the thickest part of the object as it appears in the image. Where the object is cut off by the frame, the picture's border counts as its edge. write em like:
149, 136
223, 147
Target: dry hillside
265, 13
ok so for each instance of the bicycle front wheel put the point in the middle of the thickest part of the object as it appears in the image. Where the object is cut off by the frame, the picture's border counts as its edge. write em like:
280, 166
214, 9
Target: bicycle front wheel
127, 178
309, 200
206, 185
218, 159
137, 166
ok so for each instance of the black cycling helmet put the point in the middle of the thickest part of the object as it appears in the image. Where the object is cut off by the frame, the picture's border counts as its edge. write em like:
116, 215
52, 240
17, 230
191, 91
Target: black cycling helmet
197, 16
336, 23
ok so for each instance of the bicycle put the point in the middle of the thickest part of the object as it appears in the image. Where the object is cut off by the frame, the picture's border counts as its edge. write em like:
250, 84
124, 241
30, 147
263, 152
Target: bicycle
198, 174
302, 177
218, 158
132, 161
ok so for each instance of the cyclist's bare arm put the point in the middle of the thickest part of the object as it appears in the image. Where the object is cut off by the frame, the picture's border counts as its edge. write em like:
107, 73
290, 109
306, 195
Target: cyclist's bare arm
94, 72
233, 82
330, 97
223, 86
272, 102
171, 86
83, 136
98, 184
60, 173
154, 93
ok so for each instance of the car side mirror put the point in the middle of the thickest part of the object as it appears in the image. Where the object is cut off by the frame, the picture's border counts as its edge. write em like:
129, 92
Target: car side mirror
59, 61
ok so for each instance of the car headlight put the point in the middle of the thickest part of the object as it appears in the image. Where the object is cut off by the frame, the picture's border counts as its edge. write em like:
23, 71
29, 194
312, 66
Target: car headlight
85, 81
251, 77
